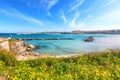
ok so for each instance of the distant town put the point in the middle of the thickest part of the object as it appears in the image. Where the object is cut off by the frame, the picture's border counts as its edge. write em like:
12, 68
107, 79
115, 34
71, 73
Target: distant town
76, 32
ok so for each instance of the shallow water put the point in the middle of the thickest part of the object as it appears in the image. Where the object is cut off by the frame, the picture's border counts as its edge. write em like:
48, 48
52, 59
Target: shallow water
102, 42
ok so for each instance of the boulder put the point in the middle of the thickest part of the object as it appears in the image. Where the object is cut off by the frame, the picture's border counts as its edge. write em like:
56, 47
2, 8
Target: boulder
30, 47
36, 54
89, 39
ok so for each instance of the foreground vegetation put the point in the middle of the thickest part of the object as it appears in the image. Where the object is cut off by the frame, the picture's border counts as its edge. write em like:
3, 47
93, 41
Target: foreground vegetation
93, 66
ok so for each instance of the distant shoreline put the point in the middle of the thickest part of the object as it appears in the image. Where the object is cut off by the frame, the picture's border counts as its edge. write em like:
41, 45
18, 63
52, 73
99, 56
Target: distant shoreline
117, 31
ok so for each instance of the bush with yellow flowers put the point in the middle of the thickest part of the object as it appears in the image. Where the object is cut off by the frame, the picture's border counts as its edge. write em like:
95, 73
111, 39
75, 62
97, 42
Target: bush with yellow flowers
2, 65
92, 66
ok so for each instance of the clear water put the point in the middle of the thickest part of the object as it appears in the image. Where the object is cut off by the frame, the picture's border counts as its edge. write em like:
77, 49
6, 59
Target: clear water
102, 42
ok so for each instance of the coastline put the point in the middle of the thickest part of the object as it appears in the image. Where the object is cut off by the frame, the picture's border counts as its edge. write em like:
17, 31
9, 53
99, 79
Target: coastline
101, 42
19, 49
33, 55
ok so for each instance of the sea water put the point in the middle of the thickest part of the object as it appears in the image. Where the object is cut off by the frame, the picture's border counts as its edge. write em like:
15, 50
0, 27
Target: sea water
101, 42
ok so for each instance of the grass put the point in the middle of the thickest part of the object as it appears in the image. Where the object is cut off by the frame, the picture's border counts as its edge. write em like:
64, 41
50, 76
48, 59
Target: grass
13, 41
92, 66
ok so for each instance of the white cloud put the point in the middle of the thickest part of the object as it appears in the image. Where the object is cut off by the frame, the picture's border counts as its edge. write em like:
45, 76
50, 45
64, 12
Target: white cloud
113, 16
64, 17
76, 5
47, 4
108, 3
51, 3
34, 3
13, 12
104, 27
87, 17
93, 6
44, 5
4, 12
101, 4
74, 24
49, 14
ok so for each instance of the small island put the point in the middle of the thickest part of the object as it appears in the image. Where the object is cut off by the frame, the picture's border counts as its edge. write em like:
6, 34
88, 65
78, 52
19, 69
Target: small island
89, 39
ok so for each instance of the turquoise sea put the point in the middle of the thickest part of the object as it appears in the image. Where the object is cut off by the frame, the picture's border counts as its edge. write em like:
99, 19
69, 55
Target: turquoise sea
102, 42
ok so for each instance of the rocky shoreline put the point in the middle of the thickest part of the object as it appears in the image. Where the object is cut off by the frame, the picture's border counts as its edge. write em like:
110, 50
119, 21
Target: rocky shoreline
32, 55
19, 49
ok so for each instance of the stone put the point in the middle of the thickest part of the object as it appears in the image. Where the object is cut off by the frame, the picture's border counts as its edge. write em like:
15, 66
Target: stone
36, 54
30, 47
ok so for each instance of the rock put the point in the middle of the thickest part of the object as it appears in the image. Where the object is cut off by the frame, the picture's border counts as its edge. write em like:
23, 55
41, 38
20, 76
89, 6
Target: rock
36, 54
30, 47
26, 53
29, 53
89, 39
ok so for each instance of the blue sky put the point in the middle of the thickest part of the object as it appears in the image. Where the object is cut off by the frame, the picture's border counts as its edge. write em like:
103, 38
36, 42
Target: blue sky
58, 15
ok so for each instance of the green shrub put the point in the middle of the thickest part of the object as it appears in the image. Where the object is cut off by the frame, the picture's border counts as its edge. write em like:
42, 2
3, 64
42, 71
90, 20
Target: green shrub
8, 58
2, 66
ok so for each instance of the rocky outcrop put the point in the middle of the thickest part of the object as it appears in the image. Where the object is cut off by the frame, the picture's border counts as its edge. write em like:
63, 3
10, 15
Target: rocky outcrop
18, 47
89, 39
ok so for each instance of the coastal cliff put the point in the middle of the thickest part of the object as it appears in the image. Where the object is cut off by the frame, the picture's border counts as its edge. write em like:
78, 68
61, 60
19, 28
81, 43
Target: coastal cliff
4, 45
17, 47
